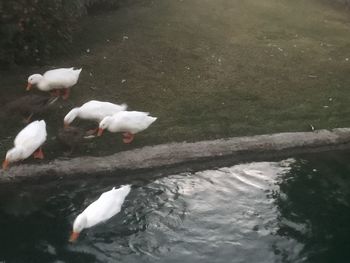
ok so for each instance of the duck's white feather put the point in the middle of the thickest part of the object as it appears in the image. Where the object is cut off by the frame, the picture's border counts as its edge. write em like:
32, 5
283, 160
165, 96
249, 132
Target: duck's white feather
130, 121
106, 206
31, 137
59, 78
97, 110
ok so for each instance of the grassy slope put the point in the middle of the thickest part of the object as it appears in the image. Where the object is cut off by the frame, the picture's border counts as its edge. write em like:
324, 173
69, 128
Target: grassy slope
209, 69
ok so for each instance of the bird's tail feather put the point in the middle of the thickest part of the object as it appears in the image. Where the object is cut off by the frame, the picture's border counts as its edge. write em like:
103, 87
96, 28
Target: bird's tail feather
124, 106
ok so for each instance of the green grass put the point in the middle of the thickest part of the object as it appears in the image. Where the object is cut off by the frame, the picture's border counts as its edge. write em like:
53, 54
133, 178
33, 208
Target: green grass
208, 69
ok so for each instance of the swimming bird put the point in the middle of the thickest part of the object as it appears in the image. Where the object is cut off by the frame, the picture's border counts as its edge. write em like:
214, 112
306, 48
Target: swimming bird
106, 206
93, 110
55, 80
27, 142
128, 122
29, 105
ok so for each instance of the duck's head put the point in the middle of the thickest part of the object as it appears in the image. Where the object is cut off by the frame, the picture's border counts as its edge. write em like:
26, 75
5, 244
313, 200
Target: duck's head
33, 79
104, 125
69, 118
79, 224
13, 155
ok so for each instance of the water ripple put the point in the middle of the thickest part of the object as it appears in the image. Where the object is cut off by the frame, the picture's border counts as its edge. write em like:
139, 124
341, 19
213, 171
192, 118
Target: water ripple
243, 213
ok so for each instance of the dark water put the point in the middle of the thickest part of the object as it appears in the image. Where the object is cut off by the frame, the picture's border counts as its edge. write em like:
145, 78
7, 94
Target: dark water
294, 210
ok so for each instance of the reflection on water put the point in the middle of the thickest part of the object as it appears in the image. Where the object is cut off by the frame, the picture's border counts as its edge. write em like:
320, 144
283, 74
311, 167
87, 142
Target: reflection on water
295, 210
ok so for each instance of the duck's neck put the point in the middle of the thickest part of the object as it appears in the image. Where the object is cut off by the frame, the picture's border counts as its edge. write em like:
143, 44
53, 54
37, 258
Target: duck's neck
80, 223
15, 154
71, 115
42, 83
112, 125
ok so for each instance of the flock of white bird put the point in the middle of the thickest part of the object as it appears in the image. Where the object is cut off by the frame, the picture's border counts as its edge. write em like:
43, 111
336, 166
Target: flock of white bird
110, 116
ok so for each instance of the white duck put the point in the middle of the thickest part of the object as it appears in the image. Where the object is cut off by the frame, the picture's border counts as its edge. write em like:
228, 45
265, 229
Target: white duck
93, 110
27, 142
128, 122
55, 80
106, 206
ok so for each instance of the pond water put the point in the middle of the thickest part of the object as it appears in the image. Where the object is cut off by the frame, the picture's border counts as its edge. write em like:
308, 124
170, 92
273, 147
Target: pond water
293, 210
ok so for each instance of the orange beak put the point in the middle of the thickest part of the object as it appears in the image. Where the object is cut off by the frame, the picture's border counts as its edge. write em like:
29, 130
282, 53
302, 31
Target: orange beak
65, 124
5, 164
74, 236
100, 131
29, 86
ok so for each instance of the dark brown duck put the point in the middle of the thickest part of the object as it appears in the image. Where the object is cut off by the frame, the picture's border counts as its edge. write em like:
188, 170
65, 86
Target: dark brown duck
29, 105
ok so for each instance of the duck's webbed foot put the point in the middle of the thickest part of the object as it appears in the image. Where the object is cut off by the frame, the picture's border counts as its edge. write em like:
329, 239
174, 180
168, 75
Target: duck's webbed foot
128, 137
66, 93
38, 154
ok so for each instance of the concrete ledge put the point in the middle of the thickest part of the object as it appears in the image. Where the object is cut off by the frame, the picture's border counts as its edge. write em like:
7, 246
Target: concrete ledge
179, 154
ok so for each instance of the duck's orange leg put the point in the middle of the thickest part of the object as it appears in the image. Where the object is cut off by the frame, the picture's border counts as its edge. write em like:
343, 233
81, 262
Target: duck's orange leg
128, 137
66, 93
38, 154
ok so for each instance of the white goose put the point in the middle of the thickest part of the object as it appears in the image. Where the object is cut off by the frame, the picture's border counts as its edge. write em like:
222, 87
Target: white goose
27, 142
128, 122
106, 206
93, 110
55, 80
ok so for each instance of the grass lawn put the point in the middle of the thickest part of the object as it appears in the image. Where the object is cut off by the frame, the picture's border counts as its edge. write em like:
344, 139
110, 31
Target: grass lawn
207, 69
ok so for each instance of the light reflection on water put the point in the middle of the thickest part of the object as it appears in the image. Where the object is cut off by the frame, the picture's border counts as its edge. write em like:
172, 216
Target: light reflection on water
186, 217
256, 212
